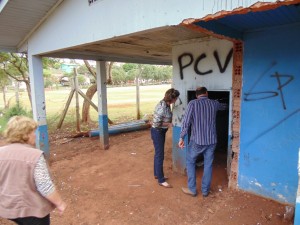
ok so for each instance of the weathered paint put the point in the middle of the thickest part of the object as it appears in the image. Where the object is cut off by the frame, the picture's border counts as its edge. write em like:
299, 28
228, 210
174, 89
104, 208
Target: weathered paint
42, 141
297, 211
270, 121
102, 104
38, 102
297, 205
103, 131
209, 57
178, 154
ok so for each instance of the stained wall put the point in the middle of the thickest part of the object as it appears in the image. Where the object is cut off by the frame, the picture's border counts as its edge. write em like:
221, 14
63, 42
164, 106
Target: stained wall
270, 113
203, 63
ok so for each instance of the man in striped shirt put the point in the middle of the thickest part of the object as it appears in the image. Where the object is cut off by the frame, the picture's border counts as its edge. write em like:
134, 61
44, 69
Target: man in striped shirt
200, 117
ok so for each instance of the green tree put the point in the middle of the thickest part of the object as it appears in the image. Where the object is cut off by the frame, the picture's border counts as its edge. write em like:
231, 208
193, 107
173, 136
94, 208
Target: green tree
82, 69
15, 66
165, 73
81, 79
148, 72
129, 66
51, 63
49, 80
118, 75
4, 81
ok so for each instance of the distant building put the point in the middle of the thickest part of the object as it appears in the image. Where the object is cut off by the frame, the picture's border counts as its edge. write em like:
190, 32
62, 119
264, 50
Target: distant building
64, 81
67, 67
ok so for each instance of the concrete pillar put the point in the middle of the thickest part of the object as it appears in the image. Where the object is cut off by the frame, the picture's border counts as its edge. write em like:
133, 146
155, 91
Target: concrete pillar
38, 102
297, 205
102, 104
179, 155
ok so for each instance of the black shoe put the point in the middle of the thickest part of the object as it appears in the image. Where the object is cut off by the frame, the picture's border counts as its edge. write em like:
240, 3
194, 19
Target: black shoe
206, 194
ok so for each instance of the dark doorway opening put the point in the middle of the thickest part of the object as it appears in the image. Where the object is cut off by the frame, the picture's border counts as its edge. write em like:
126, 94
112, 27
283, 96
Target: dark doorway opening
222, 121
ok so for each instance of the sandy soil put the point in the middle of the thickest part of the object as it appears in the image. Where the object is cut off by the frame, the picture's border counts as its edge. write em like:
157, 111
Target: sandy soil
117, 186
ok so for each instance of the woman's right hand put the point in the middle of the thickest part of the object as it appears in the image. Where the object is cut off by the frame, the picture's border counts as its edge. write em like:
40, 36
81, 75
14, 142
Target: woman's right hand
181, 143
61, 207
56, 200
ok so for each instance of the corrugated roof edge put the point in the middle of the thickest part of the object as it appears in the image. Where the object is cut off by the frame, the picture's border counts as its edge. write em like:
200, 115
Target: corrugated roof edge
257, 7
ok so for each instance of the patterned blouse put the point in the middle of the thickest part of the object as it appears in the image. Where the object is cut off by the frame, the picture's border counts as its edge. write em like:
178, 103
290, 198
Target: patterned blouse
162, 113
42, 177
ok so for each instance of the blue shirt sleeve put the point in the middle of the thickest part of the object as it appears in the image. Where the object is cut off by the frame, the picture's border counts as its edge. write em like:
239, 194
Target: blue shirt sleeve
187, 119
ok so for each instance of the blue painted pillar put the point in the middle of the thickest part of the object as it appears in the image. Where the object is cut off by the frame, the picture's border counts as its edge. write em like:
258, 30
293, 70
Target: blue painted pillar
38, 102
102, 104
297, 205
178, 154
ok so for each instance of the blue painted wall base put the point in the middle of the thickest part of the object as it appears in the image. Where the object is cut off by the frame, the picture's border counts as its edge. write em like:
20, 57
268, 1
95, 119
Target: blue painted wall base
42, 139
103, 131
178, 155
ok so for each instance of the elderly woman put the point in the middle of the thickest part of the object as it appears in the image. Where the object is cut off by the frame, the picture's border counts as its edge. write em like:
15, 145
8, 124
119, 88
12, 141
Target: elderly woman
162, 120
27, 193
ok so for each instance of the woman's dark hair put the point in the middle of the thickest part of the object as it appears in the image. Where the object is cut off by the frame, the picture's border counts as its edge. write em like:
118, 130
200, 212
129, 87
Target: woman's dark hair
171, 94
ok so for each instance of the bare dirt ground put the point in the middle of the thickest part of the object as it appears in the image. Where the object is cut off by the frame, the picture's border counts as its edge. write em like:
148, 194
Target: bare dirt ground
117, 186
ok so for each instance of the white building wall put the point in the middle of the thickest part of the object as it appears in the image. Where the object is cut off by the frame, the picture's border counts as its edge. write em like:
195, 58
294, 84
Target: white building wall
213, 81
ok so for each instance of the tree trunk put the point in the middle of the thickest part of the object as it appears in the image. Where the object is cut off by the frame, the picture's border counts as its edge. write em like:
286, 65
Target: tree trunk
108, 66
90, 69
92, 90
28, 88
4, 97
86, 105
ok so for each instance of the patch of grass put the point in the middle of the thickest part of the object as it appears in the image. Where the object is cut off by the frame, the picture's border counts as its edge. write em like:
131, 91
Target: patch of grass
16, 110
121, 103
3, 122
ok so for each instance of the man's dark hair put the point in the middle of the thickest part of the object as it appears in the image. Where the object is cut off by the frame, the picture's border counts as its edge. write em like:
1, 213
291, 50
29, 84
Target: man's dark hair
201, 91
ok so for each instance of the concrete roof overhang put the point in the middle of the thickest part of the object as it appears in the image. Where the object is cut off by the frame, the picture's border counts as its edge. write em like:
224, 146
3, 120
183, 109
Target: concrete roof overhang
150, 46
18, 19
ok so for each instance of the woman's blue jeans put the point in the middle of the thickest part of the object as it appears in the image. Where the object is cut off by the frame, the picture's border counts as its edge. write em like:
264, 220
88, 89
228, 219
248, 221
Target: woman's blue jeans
158, 136
193, 151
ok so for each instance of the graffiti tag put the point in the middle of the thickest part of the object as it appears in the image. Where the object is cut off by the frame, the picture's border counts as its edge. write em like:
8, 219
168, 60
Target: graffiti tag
259, 95
190, 59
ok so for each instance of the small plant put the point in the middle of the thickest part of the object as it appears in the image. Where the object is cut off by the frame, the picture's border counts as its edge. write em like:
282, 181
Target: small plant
2, 122
16, 110
6, 114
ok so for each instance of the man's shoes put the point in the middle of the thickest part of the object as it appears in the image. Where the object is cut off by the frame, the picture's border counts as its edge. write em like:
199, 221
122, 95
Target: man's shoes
200, 163
206, 194
166, 178
188, 192
165, 184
